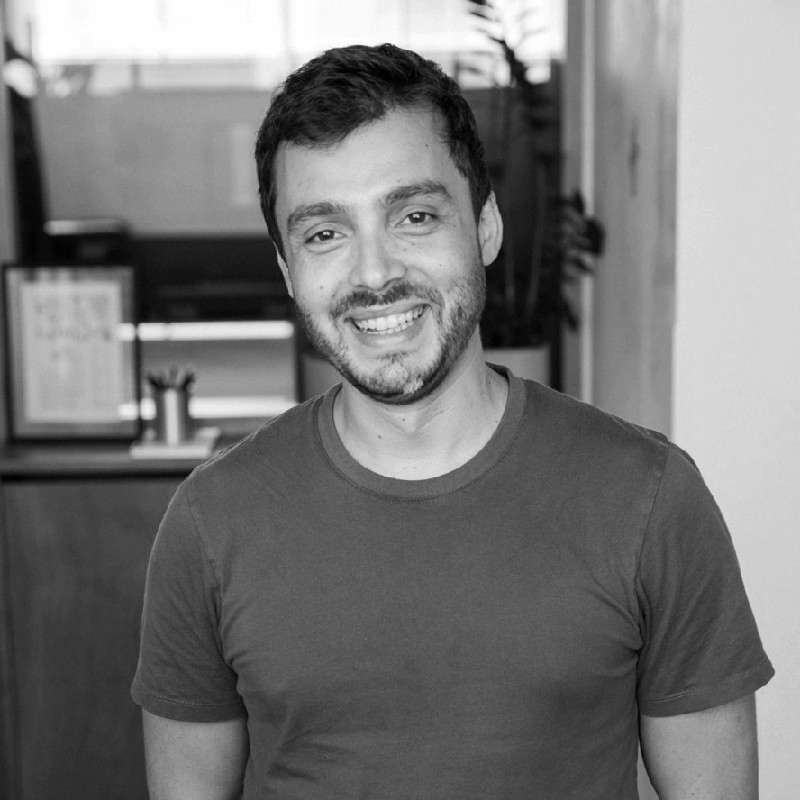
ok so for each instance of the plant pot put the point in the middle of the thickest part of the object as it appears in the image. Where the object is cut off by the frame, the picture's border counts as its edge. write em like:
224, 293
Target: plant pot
524, 362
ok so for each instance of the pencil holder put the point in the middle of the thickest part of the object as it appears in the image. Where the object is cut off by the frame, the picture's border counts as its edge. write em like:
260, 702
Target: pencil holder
172, 421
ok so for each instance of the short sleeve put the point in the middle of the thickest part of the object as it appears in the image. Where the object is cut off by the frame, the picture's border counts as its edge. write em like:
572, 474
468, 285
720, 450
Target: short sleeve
701, 643
182, 673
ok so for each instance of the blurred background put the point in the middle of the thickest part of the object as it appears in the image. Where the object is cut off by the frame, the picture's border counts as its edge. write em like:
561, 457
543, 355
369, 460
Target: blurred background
646, 160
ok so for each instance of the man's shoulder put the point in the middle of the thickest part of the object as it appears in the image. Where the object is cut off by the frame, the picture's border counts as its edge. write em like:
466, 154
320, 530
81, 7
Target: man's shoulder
274, 446
248, 485
581, 443
581, 424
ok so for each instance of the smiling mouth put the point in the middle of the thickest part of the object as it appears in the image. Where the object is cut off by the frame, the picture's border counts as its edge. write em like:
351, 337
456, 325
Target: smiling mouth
390, 323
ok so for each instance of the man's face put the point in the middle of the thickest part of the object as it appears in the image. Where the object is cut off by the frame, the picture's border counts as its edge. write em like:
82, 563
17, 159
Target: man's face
384, 257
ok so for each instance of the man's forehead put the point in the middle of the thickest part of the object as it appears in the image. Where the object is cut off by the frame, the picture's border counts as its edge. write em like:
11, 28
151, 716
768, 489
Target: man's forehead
403, 148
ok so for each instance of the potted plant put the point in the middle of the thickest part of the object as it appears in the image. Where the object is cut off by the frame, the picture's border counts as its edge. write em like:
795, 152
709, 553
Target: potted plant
549, 239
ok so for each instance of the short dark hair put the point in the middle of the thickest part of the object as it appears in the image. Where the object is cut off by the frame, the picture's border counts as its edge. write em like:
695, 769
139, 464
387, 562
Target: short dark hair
347, 87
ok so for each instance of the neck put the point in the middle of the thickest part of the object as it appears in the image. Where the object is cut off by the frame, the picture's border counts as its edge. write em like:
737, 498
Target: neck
433, 436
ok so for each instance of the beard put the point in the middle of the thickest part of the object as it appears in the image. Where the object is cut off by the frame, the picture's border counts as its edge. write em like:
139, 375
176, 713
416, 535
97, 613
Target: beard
402, 377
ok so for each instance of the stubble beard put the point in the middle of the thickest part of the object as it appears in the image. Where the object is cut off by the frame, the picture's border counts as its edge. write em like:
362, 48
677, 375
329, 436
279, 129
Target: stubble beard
400, 378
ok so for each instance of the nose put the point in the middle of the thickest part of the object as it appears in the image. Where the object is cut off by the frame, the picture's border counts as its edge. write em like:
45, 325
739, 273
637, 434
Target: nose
376, 263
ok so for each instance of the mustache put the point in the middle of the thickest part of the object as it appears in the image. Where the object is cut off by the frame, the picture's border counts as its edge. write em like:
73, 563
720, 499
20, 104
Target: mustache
366, 298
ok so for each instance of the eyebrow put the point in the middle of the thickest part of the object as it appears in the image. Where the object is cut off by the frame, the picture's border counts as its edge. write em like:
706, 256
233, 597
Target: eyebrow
424, 188
303, 213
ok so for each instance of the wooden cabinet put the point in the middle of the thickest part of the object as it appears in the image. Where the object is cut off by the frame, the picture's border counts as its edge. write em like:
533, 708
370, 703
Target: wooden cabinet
73, 557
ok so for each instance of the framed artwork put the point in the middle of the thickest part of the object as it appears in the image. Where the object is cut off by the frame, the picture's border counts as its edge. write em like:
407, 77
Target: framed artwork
71, 352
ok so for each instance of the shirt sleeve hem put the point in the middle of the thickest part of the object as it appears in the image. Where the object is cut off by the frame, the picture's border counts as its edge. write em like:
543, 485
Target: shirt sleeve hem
710, 695
184, 711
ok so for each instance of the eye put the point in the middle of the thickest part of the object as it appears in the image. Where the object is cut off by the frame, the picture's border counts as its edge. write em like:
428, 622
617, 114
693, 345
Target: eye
323, 240
418, 218
321, 237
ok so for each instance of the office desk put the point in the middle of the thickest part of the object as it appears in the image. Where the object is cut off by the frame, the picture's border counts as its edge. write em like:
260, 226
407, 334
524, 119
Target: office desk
76, 527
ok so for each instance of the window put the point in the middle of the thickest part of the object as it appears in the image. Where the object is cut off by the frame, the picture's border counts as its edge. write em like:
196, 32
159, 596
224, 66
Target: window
249, 42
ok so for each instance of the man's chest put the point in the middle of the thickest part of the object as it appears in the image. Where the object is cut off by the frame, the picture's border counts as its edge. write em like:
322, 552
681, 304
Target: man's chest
493, 624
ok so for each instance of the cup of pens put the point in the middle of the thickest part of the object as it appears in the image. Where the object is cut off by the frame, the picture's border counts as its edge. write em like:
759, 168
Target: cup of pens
170, 391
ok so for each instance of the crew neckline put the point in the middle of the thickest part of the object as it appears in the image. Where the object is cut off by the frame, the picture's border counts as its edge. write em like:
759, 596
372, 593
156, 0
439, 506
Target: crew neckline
426, 488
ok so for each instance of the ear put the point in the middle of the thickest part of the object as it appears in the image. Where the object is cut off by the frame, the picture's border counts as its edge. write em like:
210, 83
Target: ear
287, 278
490, 230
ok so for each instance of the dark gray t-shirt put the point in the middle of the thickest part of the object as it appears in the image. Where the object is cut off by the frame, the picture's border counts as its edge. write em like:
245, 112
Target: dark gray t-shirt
490, 633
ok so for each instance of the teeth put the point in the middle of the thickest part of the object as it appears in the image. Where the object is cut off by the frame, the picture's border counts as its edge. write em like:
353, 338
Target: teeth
391, 323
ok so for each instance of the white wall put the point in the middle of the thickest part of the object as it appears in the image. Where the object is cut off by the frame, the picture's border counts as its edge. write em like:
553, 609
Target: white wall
736, 391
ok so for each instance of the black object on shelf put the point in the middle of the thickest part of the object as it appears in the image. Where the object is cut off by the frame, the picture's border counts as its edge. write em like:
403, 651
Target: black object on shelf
186, 278
88, 241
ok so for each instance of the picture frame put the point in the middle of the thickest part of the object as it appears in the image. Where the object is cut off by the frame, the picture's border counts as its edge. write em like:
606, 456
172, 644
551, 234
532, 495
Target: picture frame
71, 352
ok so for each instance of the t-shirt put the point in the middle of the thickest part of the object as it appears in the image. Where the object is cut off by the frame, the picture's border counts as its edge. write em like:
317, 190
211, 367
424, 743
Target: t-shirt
490, 633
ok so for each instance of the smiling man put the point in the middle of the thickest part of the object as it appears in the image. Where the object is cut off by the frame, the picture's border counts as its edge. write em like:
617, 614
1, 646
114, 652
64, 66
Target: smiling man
437, 580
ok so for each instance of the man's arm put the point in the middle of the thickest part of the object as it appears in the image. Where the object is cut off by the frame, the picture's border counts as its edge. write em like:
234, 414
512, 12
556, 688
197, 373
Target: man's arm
707, 755
194, 760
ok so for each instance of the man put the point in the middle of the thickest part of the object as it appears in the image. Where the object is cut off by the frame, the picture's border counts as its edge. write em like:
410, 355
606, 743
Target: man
437, 580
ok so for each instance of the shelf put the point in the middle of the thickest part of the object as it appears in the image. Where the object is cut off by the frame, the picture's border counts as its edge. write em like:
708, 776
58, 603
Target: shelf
259, 330
205, 408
